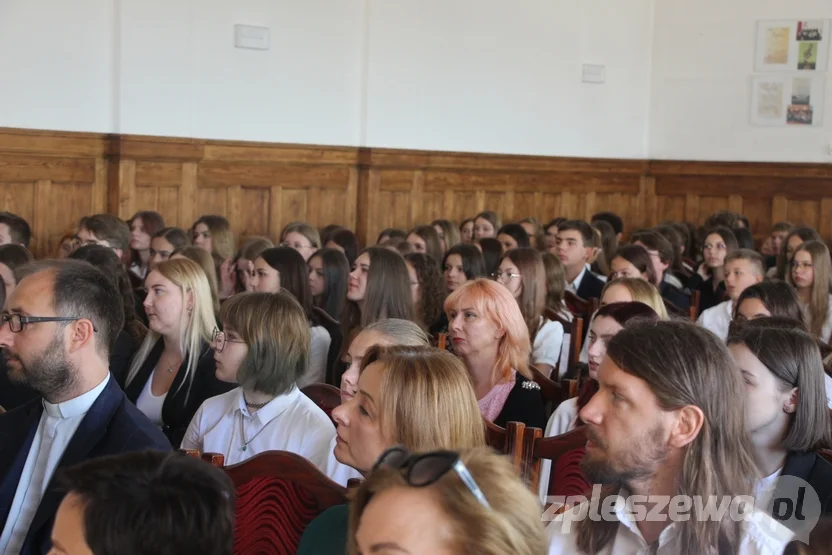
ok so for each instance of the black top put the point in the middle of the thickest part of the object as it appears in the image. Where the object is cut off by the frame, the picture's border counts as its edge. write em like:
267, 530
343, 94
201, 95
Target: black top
181, 403
674, 295
591, 286
709, 298
524, 404
815, 470
121, 354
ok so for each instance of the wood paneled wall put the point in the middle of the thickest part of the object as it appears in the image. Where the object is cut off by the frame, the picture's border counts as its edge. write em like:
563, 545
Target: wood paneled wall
52, 179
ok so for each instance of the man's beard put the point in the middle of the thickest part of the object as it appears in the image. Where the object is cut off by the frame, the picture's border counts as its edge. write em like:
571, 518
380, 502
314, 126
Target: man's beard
640, 461
49, 374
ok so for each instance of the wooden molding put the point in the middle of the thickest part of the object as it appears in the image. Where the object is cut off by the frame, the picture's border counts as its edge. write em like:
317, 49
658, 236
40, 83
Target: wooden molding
53, 178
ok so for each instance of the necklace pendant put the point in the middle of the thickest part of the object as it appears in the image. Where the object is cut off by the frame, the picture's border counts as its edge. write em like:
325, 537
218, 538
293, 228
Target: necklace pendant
244, 447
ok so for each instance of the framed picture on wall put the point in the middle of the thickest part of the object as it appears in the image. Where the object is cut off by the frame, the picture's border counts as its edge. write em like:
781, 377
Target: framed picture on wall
795, 99
792, 45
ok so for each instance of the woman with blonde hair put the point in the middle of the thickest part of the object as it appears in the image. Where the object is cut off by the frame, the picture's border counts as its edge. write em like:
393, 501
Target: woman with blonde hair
302, 237
446, 502
206, 262
489, 334
811, 276
417, 397
173, 371
264, 348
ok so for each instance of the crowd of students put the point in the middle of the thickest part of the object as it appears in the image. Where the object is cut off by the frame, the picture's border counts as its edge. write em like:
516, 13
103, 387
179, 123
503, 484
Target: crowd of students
157, 337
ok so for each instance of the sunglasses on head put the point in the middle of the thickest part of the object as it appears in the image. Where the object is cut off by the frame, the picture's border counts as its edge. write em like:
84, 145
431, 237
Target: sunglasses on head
422, 470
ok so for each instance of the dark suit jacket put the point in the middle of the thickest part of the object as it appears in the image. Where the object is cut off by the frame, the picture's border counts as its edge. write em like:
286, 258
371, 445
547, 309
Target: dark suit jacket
121, 354
180, 404
111, 426
591, 287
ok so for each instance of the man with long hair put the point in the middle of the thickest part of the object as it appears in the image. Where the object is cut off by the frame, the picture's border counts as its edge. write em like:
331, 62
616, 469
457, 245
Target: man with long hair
666, 429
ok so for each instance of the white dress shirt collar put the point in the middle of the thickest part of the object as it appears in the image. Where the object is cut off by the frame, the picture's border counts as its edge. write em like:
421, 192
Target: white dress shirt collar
576, 283
78, 405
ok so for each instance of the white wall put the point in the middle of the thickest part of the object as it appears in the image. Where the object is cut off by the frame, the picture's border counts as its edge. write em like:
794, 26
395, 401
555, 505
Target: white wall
496, 76
181, 75
57, 64
703, 57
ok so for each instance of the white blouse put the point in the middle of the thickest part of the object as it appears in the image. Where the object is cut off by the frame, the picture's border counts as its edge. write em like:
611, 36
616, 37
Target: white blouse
150, 404
291, 422
548, 343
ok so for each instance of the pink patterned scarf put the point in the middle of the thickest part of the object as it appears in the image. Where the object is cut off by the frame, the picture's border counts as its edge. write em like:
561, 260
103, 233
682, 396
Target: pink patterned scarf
492, 404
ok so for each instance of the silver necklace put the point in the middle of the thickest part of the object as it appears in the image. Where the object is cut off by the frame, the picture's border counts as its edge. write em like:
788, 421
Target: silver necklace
255, 406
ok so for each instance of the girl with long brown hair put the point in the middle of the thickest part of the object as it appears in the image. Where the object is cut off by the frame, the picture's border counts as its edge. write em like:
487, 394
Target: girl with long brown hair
811, 276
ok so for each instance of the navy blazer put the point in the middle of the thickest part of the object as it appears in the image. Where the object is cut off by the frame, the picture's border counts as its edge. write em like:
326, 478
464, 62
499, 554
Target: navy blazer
815, 470
180, 405
591, 286
113, 425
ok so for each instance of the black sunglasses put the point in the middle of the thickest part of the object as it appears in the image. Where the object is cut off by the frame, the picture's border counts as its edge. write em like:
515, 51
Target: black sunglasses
425, 469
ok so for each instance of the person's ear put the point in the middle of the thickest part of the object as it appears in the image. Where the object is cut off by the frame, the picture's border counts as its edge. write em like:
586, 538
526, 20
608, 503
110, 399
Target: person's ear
790, 405
689, 421
81, 333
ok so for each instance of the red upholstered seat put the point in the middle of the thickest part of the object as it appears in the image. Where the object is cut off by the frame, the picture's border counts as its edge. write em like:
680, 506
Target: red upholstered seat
567, 476
278, 495
272, 514
324, 395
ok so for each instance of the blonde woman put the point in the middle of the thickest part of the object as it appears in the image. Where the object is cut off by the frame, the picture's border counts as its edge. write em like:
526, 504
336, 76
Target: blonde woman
206, 262
417, 397
264, 348
448, 233
628, 290
446, 502
489, 334
302, 237
811, 276
173, 371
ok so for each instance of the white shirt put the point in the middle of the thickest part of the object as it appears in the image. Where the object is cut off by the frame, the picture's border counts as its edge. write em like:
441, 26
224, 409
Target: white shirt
150, 404
673, 280
320, 341
764, 489
547, 343
761, 535
290, 422
826, 331
57, 425
576, 284
562, 420
717, 319
338, 472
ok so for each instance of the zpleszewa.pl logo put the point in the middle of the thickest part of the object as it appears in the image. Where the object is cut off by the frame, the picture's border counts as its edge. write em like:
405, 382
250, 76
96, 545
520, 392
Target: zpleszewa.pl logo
792, 502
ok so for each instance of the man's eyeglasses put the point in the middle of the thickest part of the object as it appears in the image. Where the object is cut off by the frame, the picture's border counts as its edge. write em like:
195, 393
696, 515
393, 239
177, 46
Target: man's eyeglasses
17, 322
220, 339
425, 469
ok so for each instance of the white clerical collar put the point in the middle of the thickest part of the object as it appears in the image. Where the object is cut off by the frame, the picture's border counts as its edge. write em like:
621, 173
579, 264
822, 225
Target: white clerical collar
77, 406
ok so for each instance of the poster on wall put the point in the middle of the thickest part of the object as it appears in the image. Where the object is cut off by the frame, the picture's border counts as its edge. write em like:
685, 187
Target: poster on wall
787, 100
792, 45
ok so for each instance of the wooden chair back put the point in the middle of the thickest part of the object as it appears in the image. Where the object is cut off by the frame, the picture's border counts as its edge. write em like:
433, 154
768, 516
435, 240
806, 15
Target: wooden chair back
508, 440
577, 305
553, 392
324, 395
442, 341
695, 299
537, 448
214, 459
278, 495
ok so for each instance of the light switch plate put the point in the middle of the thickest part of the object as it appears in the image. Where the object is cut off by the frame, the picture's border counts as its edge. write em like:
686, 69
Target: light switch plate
593, 73
253, 38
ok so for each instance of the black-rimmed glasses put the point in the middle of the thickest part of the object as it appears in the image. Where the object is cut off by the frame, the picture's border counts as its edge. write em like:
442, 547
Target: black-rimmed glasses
220, 339
17, 322
425, 469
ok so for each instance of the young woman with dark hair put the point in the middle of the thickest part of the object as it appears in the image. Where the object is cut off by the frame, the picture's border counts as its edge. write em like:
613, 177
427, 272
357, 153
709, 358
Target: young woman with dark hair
345, 241
143, 226
492, 253
329, 273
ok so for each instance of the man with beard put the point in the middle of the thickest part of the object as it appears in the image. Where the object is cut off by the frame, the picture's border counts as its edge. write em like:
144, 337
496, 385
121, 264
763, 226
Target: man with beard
667, 421
55, 335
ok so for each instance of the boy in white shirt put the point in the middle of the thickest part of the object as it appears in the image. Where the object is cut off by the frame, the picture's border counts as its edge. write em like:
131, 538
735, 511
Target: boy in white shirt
743, 268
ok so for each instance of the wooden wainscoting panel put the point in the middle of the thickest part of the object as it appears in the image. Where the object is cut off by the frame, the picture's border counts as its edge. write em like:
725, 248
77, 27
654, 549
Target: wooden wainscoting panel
254, 207
670, 207
18, 198
145, 198
211, 200
804, 212
167, 204
758, 212
708, 205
